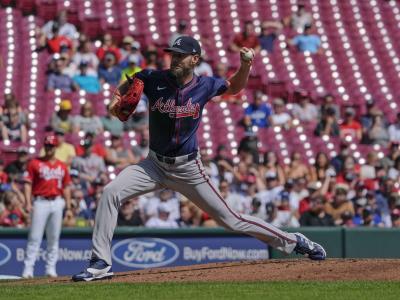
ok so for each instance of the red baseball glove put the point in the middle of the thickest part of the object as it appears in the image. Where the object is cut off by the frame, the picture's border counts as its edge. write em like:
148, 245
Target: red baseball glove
127, 96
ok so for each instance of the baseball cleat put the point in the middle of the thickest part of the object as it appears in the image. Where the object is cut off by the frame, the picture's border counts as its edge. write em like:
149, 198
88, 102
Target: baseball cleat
28, 273
309, 248
98, 269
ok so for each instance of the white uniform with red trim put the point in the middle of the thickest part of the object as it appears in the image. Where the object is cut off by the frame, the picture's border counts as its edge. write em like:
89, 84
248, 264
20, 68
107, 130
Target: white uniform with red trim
48, 181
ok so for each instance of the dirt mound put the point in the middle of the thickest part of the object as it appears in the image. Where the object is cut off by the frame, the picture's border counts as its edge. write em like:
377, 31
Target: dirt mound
271, 270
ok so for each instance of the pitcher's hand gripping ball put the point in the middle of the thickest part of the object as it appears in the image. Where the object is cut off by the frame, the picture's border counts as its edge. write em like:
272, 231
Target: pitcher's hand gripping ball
128, 96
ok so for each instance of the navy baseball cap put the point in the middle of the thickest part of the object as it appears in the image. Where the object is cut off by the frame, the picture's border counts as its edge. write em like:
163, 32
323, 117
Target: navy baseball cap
185, 45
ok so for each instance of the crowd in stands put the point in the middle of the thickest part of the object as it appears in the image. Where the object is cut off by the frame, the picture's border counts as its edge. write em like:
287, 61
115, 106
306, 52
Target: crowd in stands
334, 191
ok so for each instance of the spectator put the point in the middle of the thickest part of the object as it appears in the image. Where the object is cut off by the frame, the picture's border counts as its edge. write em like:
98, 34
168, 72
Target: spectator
269, 32
296, 168
271, 167
15, 170
87, 82
90, 165
189, 215
61, 119
11, 103
321, 165
69, 68
152, 62
396, 218
350, 127
182, 26
203, 68
328, 103
58, 43
109, 71
394, 131
307, 42
382, 196
394, 172
162, 220
284, 216
58, 80
210, 167
65, 152
119, 156
350, 172
142, 149
340, 204
268, 195
367, 171
305, 111
66, 29
85, 55
108, 47
377, 133
166, 197
236, 201
13, 129
112, 124
87, 121
97, 148
247, 39
129, 214
301, 194
132, 68
338, 161
129, 46
301, 19
316, 215
328, 124
280, 117
258, 112
12, 215
3, 175
244, 178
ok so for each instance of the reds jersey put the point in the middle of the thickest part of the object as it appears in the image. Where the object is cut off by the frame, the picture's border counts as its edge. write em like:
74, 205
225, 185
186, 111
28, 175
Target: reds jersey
48, 179
175, 111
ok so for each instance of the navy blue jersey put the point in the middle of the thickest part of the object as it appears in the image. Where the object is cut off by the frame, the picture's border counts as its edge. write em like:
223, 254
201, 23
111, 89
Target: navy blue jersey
175, 111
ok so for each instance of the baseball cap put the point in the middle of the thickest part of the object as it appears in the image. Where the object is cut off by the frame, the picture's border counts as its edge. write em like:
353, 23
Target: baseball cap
65, 105
22, 149
185, 45
350, 111
134, 58
163, 208
51, 140
128, 40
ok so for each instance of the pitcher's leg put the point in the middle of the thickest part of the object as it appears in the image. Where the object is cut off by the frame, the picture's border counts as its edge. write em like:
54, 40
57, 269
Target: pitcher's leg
133, 181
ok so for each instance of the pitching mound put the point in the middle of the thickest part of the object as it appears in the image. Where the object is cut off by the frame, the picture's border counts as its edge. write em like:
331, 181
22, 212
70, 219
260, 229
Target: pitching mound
271, 270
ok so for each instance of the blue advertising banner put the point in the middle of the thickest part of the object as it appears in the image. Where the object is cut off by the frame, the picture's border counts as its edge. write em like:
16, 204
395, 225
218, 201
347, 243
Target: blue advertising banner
135, 253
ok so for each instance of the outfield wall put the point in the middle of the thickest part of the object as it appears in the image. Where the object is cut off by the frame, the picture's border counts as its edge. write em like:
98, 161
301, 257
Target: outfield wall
137, 248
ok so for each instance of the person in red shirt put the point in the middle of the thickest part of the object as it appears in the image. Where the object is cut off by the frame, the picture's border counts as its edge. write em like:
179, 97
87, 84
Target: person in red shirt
58, 43
108, 47
350, 127
247, 39
3, 175
46, 181
12, 215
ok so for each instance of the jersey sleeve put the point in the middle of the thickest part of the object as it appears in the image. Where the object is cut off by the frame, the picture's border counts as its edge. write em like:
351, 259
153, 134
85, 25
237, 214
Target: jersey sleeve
218, 86
29, 172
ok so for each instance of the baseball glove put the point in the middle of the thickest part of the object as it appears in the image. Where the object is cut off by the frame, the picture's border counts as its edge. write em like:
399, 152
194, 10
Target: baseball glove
127, 96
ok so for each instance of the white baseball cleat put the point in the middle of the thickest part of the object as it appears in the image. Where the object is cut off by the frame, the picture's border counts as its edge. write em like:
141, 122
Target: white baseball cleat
27, 273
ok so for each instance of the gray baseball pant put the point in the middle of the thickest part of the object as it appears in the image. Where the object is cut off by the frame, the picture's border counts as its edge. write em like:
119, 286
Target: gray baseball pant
189, 179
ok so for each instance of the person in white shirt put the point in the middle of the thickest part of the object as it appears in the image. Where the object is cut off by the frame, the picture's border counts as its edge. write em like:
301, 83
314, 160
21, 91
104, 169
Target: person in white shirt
85, 54
166, 197
203, 69
280, 117
238, 202
270, 193
66, 29
305, 111
162, 220
394, 131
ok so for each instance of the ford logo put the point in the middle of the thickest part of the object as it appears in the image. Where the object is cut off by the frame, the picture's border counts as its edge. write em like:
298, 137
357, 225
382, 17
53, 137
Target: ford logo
5, 254
145, 252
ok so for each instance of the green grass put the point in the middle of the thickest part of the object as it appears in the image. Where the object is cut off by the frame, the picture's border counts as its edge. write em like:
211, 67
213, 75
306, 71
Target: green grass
192, 291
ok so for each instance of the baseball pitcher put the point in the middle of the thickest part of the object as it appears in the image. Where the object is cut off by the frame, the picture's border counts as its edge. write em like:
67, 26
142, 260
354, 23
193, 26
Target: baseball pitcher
176, 101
